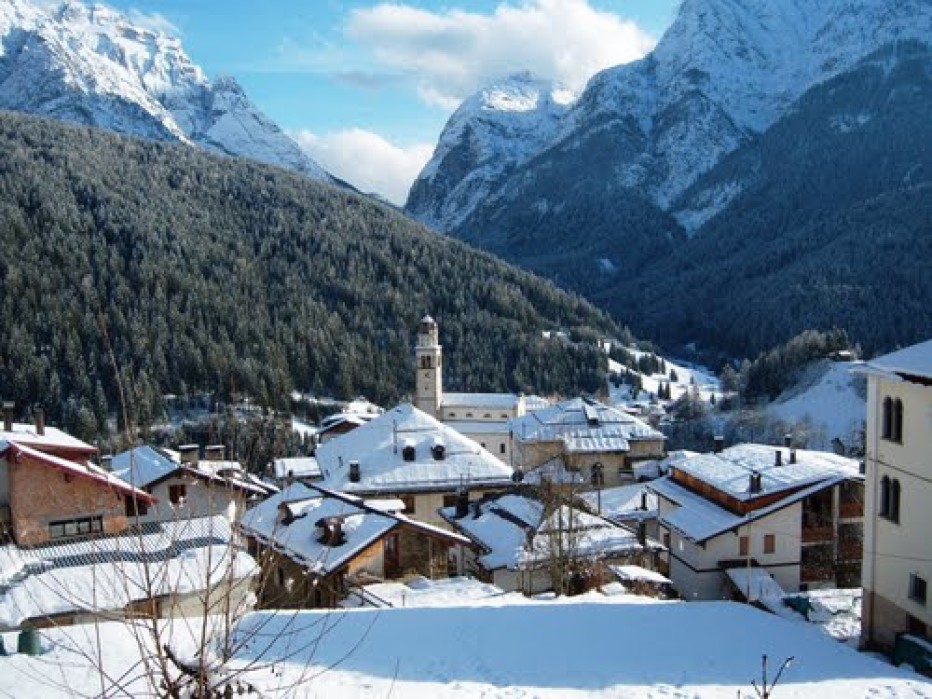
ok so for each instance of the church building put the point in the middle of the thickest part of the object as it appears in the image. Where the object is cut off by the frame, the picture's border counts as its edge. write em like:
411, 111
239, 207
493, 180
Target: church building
483, 417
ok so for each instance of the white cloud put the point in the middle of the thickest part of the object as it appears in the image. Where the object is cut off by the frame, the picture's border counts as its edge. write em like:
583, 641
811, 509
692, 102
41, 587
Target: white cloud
367, 161
449, 55
153, 21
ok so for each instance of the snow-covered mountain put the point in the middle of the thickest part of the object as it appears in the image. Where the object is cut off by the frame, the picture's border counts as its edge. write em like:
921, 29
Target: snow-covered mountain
724, 72
89, 64
493, 132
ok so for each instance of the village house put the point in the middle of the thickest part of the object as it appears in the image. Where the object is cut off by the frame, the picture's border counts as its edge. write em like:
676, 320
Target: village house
483, 417
407, 454
316, 546
757, 512
628, 505
896, 615
44, 497
600, 443
187, 486
523, 542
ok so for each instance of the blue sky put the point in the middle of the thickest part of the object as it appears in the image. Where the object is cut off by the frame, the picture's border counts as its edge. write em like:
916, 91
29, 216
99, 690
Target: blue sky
366, 87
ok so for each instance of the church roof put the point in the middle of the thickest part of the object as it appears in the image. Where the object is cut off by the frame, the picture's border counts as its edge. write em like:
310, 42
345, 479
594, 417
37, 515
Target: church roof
378, 447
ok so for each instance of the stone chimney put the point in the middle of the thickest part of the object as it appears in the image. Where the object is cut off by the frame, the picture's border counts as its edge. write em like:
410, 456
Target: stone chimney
106, 462
787, 440
718, 444
354, 473
462, 503
778, 458
792, 456
754, 484
8, 408
39, 415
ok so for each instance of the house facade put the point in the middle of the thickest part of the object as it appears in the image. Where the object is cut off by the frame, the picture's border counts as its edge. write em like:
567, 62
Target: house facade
897, 547
410, 455
48, 498
794, 516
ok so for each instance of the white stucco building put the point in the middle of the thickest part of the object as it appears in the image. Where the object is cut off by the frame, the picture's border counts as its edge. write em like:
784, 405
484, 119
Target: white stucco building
898, 519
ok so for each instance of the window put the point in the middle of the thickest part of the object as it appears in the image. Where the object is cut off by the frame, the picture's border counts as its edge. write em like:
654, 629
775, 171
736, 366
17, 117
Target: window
917, 588
501, 448
892, 420
136, 507
75, 527
177, 493
743, 545
666, 539
889, 505
408, 500
886, 428
449, 501
770, 543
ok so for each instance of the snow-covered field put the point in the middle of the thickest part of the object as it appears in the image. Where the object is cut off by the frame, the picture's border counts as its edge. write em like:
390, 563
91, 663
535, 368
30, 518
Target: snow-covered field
592, 646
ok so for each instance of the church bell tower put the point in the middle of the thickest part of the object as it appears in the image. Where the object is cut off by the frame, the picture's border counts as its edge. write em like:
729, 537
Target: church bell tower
429, 354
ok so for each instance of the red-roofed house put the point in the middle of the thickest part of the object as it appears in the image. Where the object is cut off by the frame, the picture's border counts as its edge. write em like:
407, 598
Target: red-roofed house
44, 497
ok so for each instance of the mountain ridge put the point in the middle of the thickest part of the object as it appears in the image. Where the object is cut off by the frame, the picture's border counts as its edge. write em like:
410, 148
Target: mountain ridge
91, 65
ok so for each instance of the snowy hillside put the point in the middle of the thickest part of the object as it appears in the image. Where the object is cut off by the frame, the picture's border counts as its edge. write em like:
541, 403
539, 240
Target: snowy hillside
829, 399
585, 647
89, 64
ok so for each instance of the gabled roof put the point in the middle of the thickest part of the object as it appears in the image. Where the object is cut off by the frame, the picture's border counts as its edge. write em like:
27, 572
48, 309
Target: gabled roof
297, 536
623, 502
699, 519
379, 446
583, 425
146, 467
515, 533
915, 360
13, 450
52, 439
729, 471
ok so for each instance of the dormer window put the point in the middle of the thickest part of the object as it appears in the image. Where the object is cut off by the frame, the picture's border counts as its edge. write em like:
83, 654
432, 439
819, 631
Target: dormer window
408, 452
439, 451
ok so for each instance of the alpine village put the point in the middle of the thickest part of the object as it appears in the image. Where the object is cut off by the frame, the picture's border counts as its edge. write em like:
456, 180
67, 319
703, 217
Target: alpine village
630, 397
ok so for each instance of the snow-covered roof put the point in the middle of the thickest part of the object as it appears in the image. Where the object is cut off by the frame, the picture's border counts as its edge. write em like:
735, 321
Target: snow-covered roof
515, 533
299, 467
729, 471
700, 519
378, 448
52, 438
480, 401
583, 425
107, 573
478, 427
298, 535
915, 360
631, 573
624, 502
145, 466
81, 470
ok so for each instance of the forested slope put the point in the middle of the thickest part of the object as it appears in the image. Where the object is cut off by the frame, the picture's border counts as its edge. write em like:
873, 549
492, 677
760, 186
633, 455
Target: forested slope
210, 273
